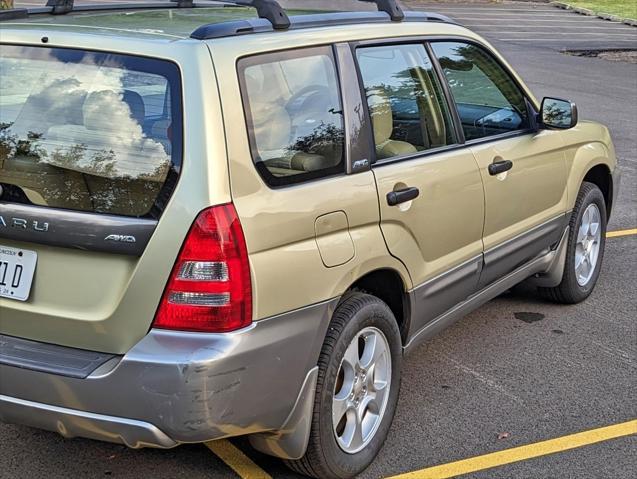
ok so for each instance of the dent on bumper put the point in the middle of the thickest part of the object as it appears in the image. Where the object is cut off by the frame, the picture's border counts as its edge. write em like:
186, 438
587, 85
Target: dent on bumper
176, 387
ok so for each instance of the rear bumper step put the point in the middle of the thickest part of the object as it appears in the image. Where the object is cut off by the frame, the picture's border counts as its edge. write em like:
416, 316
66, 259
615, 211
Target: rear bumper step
50, 358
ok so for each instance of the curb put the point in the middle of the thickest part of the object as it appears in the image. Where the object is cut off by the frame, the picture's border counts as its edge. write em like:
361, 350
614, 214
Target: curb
591, 13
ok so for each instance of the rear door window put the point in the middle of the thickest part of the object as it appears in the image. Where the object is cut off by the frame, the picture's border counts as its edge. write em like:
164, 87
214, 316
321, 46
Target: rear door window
405, 99
88, 131
294, 114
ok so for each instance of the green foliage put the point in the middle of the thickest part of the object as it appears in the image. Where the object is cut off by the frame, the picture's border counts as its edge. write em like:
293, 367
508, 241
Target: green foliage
621, 8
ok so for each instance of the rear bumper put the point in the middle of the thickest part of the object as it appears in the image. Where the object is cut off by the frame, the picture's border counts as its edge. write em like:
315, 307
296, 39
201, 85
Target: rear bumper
175, 387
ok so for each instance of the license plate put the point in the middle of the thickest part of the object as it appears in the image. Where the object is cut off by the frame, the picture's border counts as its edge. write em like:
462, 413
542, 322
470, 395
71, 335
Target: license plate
17, 267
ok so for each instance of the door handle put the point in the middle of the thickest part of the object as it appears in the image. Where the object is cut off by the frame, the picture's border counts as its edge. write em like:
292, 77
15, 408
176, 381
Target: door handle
401, 196
501, 166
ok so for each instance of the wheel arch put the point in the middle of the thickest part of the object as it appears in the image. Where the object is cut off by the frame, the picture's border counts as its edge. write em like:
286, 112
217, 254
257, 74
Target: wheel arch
388, 285
600, 175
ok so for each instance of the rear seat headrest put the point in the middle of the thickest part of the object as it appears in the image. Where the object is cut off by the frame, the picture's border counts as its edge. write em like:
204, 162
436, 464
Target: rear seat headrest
109, 110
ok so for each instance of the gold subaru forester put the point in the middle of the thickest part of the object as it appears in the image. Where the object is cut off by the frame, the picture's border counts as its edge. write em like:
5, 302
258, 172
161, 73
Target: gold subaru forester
223, 220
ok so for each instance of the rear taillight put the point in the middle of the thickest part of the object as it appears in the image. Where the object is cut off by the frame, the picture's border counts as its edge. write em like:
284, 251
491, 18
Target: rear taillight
209, 288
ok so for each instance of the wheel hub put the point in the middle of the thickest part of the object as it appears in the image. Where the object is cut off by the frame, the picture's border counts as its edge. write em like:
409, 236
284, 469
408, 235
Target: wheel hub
362, 390
588, 244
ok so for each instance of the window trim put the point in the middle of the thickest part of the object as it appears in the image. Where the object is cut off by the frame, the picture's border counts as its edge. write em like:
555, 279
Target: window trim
276, 182
451, 103
426, 40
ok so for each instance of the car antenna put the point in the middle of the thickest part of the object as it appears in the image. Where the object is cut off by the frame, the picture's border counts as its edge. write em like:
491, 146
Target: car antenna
390, 7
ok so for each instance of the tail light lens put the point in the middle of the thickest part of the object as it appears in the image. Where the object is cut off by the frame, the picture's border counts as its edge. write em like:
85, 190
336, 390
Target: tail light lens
209, 288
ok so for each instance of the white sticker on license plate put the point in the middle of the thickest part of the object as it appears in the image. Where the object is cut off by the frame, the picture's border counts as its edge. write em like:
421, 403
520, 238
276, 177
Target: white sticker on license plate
17, 267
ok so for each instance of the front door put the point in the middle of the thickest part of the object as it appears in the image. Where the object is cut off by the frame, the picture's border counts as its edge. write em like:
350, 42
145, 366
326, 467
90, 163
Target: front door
523, 170
429, 187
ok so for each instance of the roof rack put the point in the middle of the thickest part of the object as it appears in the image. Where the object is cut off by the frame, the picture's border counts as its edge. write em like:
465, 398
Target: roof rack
390, 7
60, 7
271, 10
259, 25
272, 16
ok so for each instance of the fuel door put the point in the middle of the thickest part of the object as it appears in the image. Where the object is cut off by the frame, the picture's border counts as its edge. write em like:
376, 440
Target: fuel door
333, 239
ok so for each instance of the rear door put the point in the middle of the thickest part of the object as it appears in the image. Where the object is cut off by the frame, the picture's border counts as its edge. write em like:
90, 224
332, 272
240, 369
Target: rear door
523, 169
429, 186
90, 149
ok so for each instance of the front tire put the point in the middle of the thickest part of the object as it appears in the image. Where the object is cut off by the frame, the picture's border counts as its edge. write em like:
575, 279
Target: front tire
357, 389
585, 249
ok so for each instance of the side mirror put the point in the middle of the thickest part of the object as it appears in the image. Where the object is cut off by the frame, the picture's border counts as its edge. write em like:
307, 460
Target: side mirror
559, 114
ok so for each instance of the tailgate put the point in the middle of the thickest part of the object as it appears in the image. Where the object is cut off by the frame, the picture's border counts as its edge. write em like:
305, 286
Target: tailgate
90, 150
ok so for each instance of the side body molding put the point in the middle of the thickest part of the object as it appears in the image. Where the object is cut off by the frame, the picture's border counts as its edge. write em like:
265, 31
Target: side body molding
443, 300
547, 261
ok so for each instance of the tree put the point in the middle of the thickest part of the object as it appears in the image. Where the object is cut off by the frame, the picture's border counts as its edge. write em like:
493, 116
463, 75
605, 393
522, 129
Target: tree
6, 4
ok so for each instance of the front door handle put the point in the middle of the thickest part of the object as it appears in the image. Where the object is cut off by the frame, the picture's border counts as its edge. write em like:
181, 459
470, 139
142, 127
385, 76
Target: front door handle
501, 166
402, 196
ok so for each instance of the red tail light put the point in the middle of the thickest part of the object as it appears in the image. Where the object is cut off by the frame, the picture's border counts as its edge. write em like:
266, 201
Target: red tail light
209, 288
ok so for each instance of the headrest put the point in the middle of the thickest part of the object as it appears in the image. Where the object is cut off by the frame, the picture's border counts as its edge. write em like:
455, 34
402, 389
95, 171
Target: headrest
111, 111
382, 117
272, 126
136, 104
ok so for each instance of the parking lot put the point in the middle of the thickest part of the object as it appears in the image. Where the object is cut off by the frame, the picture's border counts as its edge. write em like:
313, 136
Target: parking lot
516, 372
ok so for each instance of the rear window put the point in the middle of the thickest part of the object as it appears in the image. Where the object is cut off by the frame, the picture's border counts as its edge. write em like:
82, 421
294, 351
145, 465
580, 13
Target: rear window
88, 131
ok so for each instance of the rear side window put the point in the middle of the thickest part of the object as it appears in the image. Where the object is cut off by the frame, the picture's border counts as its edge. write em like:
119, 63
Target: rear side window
294, 115
88, 131
489, 101
408, 109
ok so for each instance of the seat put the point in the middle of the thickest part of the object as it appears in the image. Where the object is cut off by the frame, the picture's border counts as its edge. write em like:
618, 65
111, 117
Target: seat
383, 125
272, 129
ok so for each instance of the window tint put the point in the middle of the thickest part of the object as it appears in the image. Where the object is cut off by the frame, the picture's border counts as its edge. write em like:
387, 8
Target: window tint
294, 114
489, 101
406, 104
87, 131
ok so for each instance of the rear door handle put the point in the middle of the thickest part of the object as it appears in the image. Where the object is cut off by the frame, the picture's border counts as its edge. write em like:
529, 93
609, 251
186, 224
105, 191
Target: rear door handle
501, 166
401, 196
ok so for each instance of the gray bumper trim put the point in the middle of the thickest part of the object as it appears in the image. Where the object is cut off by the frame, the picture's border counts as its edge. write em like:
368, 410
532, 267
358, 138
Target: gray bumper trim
72, 423
191, 387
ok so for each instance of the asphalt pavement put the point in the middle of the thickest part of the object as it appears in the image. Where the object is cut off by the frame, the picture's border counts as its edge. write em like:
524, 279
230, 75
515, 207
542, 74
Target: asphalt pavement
500, 377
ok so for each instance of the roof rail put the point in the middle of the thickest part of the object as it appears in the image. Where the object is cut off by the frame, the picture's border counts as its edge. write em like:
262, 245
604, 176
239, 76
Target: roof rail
259, 25
390, 7
61, 7
13, 14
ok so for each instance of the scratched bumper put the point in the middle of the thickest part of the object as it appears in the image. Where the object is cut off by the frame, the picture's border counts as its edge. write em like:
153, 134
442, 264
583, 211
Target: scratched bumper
175, 387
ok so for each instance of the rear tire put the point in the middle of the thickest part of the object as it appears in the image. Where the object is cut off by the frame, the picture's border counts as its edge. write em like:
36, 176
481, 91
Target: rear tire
585, 249
361, 357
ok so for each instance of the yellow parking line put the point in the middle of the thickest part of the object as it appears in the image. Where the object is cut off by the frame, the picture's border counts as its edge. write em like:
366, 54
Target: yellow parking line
522, 453
236, 460
614, 234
